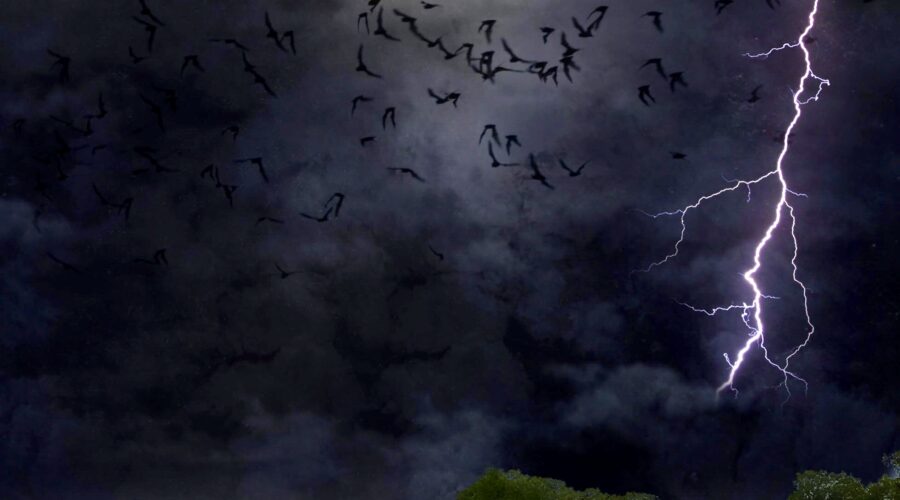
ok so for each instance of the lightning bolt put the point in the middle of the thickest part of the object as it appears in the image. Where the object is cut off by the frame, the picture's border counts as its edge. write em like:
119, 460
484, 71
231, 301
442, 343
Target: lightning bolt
752, 311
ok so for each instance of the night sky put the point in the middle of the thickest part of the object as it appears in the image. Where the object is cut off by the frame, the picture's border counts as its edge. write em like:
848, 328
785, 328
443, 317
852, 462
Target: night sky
468, 318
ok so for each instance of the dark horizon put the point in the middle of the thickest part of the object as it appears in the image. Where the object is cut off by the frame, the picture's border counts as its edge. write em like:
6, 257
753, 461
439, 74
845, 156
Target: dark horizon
225, 277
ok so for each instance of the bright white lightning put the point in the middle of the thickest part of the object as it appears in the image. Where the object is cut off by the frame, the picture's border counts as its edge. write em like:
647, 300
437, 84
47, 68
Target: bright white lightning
752, 312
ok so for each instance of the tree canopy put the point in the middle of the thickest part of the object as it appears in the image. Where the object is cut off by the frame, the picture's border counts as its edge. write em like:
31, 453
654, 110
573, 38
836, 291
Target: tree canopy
513, 485
820, 485
810, 485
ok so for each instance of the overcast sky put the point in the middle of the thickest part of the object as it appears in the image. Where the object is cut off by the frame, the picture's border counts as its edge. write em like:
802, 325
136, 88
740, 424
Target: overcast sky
434, 328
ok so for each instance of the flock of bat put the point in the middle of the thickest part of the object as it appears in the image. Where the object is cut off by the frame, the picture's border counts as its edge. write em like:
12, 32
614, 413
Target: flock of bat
485, 66
55, 148
57, 152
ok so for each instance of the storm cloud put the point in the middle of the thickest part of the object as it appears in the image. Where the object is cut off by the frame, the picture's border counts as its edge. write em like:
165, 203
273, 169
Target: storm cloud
379, 369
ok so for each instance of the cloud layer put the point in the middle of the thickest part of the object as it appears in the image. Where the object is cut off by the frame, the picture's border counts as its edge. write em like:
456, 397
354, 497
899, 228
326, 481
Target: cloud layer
380, 369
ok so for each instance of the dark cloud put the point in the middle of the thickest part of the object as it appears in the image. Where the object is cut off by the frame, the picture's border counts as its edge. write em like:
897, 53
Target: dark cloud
380, 370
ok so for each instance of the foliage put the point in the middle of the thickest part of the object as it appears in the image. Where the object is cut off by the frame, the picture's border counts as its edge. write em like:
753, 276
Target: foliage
885, 489
810, 485
513, 485
819, 485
